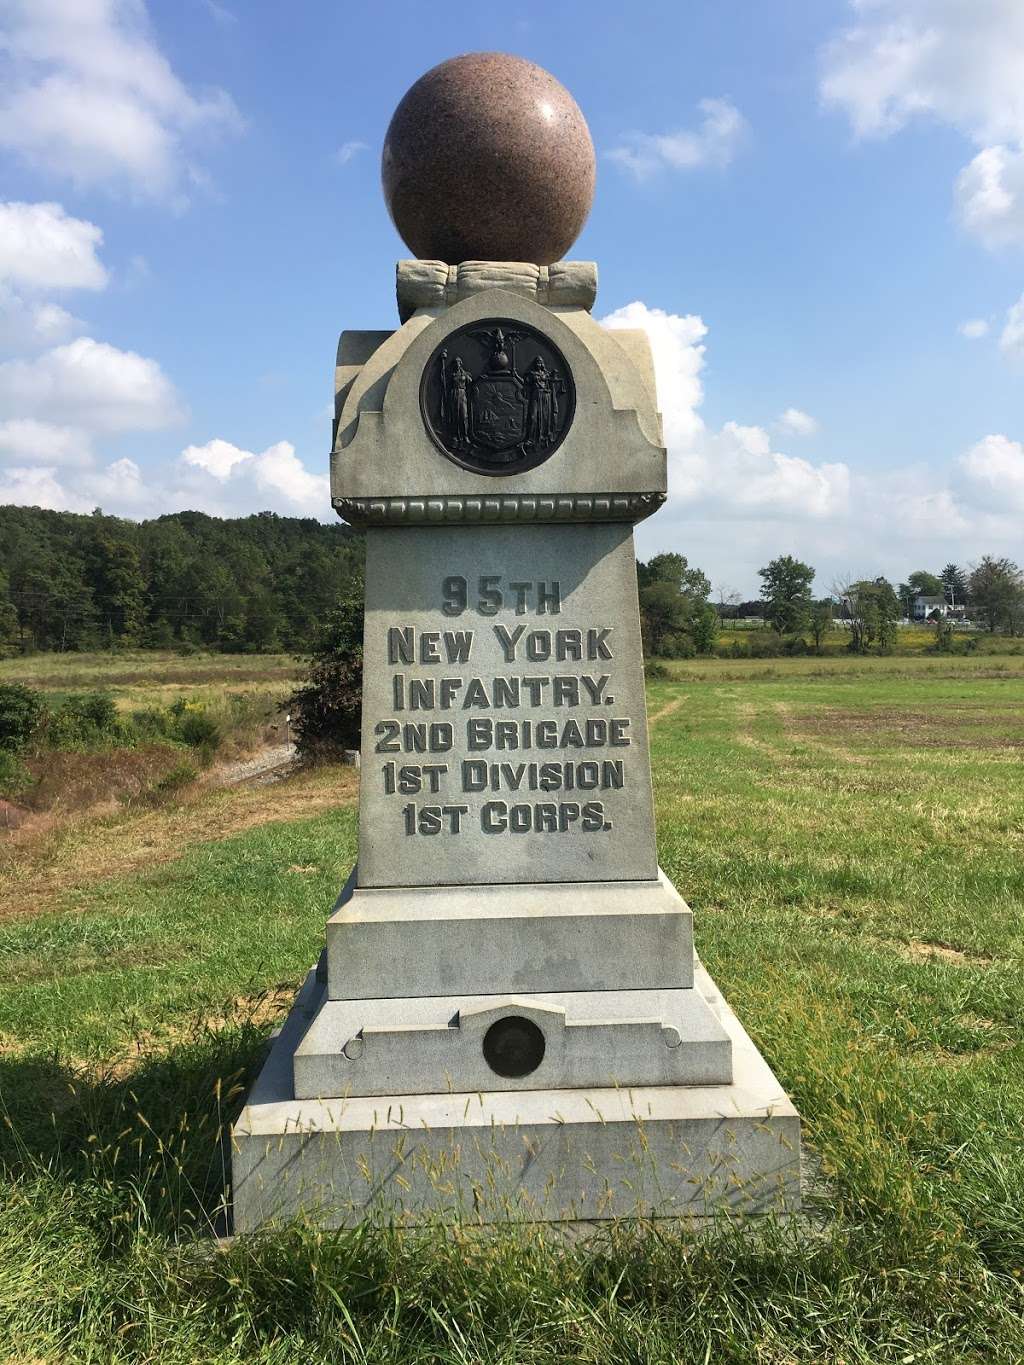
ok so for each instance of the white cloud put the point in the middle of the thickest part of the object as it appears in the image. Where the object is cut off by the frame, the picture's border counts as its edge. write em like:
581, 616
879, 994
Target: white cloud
798, 423
735, 471
42, 247
678, 351
31, 326
348, 150
956, 62
831, 515
91, 385
88, 96
989, 197
24, 441
218, 478
37, 487
1011, 340
992, 474
950, 62
276, 473
714, 143
973, 329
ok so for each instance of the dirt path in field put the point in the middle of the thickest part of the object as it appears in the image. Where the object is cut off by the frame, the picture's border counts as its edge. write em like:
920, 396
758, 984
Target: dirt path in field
39, 870
666, 710
271, 762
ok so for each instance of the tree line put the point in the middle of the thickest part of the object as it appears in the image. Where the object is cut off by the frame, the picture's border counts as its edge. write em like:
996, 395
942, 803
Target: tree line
679, 621
266, 582
254, 584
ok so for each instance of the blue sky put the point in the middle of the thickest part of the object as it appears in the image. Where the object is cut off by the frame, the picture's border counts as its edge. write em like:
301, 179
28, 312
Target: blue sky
816, 207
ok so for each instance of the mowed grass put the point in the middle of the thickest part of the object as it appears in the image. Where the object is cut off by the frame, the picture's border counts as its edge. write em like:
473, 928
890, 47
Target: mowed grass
852, 844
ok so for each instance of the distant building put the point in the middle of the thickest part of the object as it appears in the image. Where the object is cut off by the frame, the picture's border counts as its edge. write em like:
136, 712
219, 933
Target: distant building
925, 608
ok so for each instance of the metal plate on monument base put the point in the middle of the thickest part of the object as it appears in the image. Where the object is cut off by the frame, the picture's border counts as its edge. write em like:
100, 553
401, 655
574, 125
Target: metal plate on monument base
497, 397
504, 725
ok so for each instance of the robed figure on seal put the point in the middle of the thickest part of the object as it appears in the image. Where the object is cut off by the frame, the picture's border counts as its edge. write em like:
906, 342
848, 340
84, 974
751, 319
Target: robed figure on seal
541, 404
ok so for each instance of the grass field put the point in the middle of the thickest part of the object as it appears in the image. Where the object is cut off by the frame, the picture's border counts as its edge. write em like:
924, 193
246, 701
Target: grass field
850, 834
146, 677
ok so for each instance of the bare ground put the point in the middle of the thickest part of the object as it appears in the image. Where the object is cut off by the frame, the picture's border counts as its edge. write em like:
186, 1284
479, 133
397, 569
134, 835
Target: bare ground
39, 867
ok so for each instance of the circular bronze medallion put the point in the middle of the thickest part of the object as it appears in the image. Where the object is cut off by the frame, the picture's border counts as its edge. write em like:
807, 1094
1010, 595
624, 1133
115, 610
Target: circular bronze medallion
497, 397
513, 1046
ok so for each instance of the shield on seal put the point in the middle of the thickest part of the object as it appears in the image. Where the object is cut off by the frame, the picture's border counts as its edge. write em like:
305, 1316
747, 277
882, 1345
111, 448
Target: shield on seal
499, 413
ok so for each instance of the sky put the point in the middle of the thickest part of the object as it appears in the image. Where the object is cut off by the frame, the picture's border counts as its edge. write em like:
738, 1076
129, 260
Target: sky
814, 207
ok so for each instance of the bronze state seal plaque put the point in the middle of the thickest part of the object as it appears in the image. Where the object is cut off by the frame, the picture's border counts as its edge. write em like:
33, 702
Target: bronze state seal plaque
497, 397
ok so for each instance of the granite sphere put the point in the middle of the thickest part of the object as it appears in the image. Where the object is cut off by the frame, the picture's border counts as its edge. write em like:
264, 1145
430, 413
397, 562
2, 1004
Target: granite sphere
488, 158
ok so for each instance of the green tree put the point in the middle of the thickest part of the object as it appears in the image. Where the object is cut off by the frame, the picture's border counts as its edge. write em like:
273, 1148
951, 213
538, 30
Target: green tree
873, 610
22, 712
821, 621
263, 621
954, 584
674, 569
119, 590
926, 584
665, 612
786, 593
674, 607
704, 628
996, 590
327, 707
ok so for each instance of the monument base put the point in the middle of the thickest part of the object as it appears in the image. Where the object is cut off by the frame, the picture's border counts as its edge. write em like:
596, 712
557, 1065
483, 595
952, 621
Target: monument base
531, 1155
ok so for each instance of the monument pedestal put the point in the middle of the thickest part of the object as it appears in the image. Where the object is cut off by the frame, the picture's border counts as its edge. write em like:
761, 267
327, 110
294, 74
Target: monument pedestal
508, 1019
562, 1155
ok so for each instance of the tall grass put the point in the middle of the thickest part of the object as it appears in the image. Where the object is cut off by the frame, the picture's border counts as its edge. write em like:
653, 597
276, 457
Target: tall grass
857, 891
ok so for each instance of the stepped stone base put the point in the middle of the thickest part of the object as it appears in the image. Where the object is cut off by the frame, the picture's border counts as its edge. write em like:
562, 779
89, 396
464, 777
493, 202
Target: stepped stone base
543, 1154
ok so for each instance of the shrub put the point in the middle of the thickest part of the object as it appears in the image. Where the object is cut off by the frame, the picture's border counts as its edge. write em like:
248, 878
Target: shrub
22, 712
190, 723
328, 706
14, 776
654, 671
182, 775
86, 720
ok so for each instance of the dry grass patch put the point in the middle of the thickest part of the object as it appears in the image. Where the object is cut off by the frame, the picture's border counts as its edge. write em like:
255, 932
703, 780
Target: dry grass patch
40, 871
919, 951
940, 727
255, 1011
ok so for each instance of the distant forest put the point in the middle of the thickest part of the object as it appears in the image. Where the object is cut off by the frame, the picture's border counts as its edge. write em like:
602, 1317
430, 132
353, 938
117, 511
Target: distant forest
251, 584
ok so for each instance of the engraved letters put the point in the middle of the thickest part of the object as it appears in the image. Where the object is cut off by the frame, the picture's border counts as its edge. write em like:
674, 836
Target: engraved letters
566, 743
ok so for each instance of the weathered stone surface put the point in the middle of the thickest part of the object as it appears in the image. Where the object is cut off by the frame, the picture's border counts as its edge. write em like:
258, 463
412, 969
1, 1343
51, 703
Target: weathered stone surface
485, 940
590, 1039
435, 286
504, 722
488, 158
563, 1155
613, 449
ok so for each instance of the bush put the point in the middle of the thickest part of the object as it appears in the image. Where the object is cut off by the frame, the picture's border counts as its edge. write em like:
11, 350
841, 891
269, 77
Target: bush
86, 720
678, 647
14, 776
192, 724
655, 671
327, 708
22, 712
182, 775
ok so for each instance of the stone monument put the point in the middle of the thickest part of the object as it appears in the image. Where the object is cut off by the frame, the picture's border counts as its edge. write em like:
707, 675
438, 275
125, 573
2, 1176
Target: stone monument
508, 1019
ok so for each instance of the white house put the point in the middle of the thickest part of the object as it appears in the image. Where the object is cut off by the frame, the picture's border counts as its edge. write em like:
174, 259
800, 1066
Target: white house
923, 608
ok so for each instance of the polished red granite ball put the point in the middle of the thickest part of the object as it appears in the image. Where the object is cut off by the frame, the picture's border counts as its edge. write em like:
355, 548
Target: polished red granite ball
488, 158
